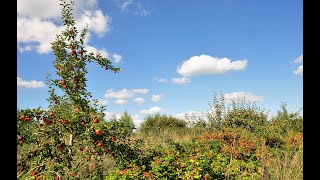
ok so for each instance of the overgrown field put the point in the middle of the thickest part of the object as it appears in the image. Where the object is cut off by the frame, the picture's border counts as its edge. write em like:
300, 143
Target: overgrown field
237, 144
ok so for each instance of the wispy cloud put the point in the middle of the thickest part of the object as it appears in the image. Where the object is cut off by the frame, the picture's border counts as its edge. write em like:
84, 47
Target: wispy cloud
182, 80
242, 96
299, 70
133, 6
160, 80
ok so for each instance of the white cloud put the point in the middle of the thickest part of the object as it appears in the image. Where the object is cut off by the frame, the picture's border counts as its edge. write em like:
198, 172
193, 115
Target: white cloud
117, 58
205, 64
121, 101
191, 115
103, 102
125, 4
152, 110
35, 30
140, 91
94, 50
139, 100
38, 22
299, 71
160, 80
299, 59
182, 80
242, 95
109, 115
156, 97
133, 6
25, 48
50, 8
96, 20
136, 120
29, 84
124, 93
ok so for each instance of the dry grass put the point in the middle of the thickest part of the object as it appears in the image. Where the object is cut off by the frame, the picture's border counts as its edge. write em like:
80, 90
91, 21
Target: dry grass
288, 167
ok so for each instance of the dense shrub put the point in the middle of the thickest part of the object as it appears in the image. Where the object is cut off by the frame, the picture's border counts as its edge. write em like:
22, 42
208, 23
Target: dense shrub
158, 123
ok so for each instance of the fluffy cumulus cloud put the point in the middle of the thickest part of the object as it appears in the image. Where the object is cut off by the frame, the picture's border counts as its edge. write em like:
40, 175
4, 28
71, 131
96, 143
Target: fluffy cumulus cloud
205, 64
182, 80
117, 58
152, 110
38, 22
299, 70
139, 100
121, 101
241, 95
29, 84
156, 97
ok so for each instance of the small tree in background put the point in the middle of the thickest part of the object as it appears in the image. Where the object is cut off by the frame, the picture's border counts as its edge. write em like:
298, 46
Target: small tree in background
127, 121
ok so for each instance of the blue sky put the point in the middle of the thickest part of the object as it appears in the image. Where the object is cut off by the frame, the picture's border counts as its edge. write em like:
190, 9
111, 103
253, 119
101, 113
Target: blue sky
173, 55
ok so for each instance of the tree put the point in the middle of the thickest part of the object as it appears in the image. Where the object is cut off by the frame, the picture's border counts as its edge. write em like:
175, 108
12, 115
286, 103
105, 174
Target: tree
127, 122
74, 124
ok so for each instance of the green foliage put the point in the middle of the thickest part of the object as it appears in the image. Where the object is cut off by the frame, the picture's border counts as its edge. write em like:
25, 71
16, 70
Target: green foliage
285, 121
127, 122
158, 123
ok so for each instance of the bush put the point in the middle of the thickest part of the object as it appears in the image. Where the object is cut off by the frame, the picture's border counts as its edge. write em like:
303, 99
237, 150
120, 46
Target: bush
158, 123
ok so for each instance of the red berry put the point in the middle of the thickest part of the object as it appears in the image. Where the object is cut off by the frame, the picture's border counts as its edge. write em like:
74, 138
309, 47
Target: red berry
51, 114
99, 144
95, 121
106, 150
41, 124
22, 117
27, 119
73, 52
81, 149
